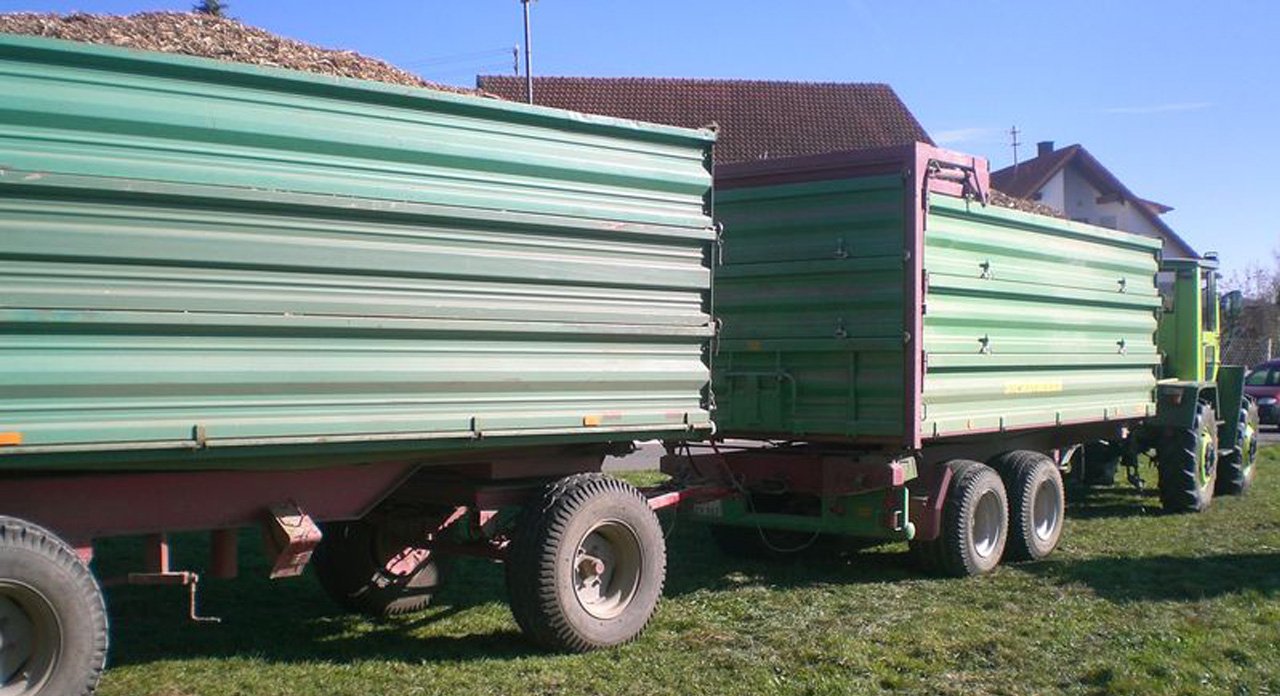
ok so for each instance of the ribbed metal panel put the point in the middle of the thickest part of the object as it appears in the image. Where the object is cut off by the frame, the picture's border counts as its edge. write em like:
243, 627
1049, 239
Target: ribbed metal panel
1032, 321
811, 300
199, 251
1024, 321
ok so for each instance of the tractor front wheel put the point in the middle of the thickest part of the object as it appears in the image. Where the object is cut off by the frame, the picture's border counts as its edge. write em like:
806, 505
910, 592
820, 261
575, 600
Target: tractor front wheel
1236, 467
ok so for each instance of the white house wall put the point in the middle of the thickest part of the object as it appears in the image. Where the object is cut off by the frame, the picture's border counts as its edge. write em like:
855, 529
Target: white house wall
1071, 193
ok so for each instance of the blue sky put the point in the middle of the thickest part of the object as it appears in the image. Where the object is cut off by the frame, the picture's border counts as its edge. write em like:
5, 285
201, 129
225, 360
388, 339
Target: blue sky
1179, 99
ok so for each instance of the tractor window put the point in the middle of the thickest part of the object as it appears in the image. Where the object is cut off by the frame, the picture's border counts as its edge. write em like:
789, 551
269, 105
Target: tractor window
1164, 283
1209, 300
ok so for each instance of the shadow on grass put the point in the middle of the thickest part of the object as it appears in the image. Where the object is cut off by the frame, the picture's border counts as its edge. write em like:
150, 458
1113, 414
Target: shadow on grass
1167, 578
695, 563
1121, 501
293, 621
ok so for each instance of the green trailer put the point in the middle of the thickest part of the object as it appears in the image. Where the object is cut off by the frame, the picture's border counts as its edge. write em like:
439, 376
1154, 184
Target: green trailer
900, 360
390, 324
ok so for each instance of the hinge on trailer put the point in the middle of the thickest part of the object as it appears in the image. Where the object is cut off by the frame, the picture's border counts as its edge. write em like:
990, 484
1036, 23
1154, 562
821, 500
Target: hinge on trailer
924, 291
965, 175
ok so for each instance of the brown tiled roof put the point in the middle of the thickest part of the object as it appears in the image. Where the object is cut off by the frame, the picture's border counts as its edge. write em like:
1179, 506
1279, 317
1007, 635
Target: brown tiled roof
757, 119
1025, 179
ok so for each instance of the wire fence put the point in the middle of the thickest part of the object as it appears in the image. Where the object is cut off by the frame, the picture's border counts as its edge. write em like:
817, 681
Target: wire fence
1247, 350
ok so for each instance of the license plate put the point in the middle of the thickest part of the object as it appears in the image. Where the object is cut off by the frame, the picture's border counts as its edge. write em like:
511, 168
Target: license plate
710, 508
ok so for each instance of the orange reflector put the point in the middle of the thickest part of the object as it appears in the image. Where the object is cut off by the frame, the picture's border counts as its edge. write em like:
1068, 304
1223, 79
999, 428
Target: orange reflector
590, 421
10, 439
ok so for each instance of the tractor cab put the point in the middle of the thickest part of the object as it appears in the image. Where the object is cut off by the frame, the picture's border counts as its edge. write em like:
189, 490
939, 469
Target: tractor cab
1189, 320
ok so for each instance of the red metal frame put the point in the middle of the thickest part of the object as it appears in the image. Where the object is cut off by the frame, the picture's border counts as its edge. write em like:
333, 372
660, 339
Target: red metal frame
80, 508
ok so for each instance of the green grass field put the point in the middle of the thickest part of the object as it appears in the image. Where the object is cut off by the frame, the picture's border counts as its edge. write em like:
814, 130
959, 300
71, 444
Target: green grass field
1133, 602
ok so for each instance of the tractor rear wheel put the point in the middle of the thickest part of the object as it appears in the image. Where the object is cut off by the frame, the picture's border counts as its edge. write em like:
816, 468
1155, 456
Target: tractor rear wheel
1188, 459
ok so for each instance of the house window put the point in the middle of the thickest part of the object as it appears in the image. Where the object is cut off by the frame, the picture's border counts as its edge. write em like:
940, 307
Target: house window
1108, 221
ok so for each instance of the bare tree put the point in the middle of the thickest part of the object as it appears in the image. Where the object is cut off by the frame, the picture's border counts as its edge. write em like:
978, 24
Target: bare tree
1252, 334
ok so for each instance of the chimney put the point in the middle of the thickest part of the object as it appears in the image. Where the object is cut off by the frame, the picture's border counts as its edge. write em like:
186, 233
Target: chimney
1044, 147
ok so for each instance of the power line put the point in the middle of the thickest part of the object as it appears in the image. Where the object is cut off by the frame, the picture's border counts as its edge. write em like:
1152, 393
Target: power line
457, 58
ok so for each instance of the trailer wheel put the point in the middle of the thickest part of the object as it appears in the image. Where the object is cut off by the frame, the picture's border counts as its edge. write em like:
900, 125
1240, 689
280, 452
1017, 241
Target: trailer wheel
1236, 466
974, 523
377, 568
587, 564
1189, 464
1036, 504
53, 624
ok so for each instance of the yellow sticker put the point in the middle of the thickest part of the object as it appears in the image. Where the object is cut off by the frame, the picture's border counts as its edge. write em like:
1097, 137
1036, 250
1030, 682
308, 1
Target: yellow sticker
1033, 387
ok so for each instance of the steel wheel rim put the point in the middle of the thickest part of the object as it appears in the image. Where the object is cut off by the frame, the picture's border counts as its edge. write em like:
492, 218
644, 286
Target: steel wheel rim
988, 524
1044, 510
606, 569
1250, 447
30, 639
1208, 458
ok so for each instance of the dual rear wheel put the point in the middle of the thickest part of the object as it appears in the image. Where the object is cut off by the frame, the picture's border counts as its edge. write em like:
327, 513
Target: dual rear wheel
1013, 509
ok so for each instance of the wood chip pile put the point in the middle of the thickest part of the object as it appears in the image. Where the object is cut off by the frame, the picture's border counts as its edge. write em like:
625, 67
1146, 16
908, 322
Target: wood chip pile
1004, 200
226, 39
211, 37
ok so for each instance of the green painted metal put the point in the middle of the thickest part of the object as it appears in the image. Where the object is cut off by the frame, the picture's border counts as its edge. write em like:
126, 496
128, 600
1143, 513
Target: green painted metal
220, 258
1189, 322
1032, 321
810, 297
1176, 403
859, 515
1025, 321
1230, 402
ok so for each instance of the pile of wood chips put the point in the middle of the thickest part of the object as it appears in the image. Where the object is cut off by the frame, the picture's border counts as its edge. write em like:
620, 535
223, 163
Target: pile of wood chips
226, 39
211, 37
1004, 200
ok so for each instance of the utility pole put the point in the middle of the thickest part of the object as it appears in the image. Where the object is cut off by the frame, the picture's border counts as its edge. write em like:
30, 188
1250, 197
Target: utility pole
1014, 132
528, 54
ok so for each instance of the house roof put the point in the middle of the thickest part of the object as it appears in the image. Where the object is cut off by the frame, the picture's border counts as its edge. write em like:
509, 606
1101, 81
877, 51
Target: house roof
757, 119
1024, 180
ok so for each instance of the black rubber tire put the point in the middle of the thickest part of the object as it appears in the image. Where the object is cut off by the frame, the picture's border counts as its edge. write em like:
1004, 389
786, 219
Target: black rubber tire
1184, 485
44, 579
1099, 462
351, 565
1037, 504
775, 545
543, 564
955, 552
1236, 469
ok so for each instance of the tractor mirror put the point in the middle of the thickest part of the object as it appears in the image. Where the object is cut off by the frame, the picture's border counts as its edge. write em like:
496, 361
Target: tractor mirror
1232, 304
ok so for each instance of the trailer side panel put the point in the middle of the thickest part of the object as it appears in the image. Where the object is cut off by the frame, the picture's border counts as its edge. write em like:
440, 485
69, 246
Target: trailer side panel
200, 256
